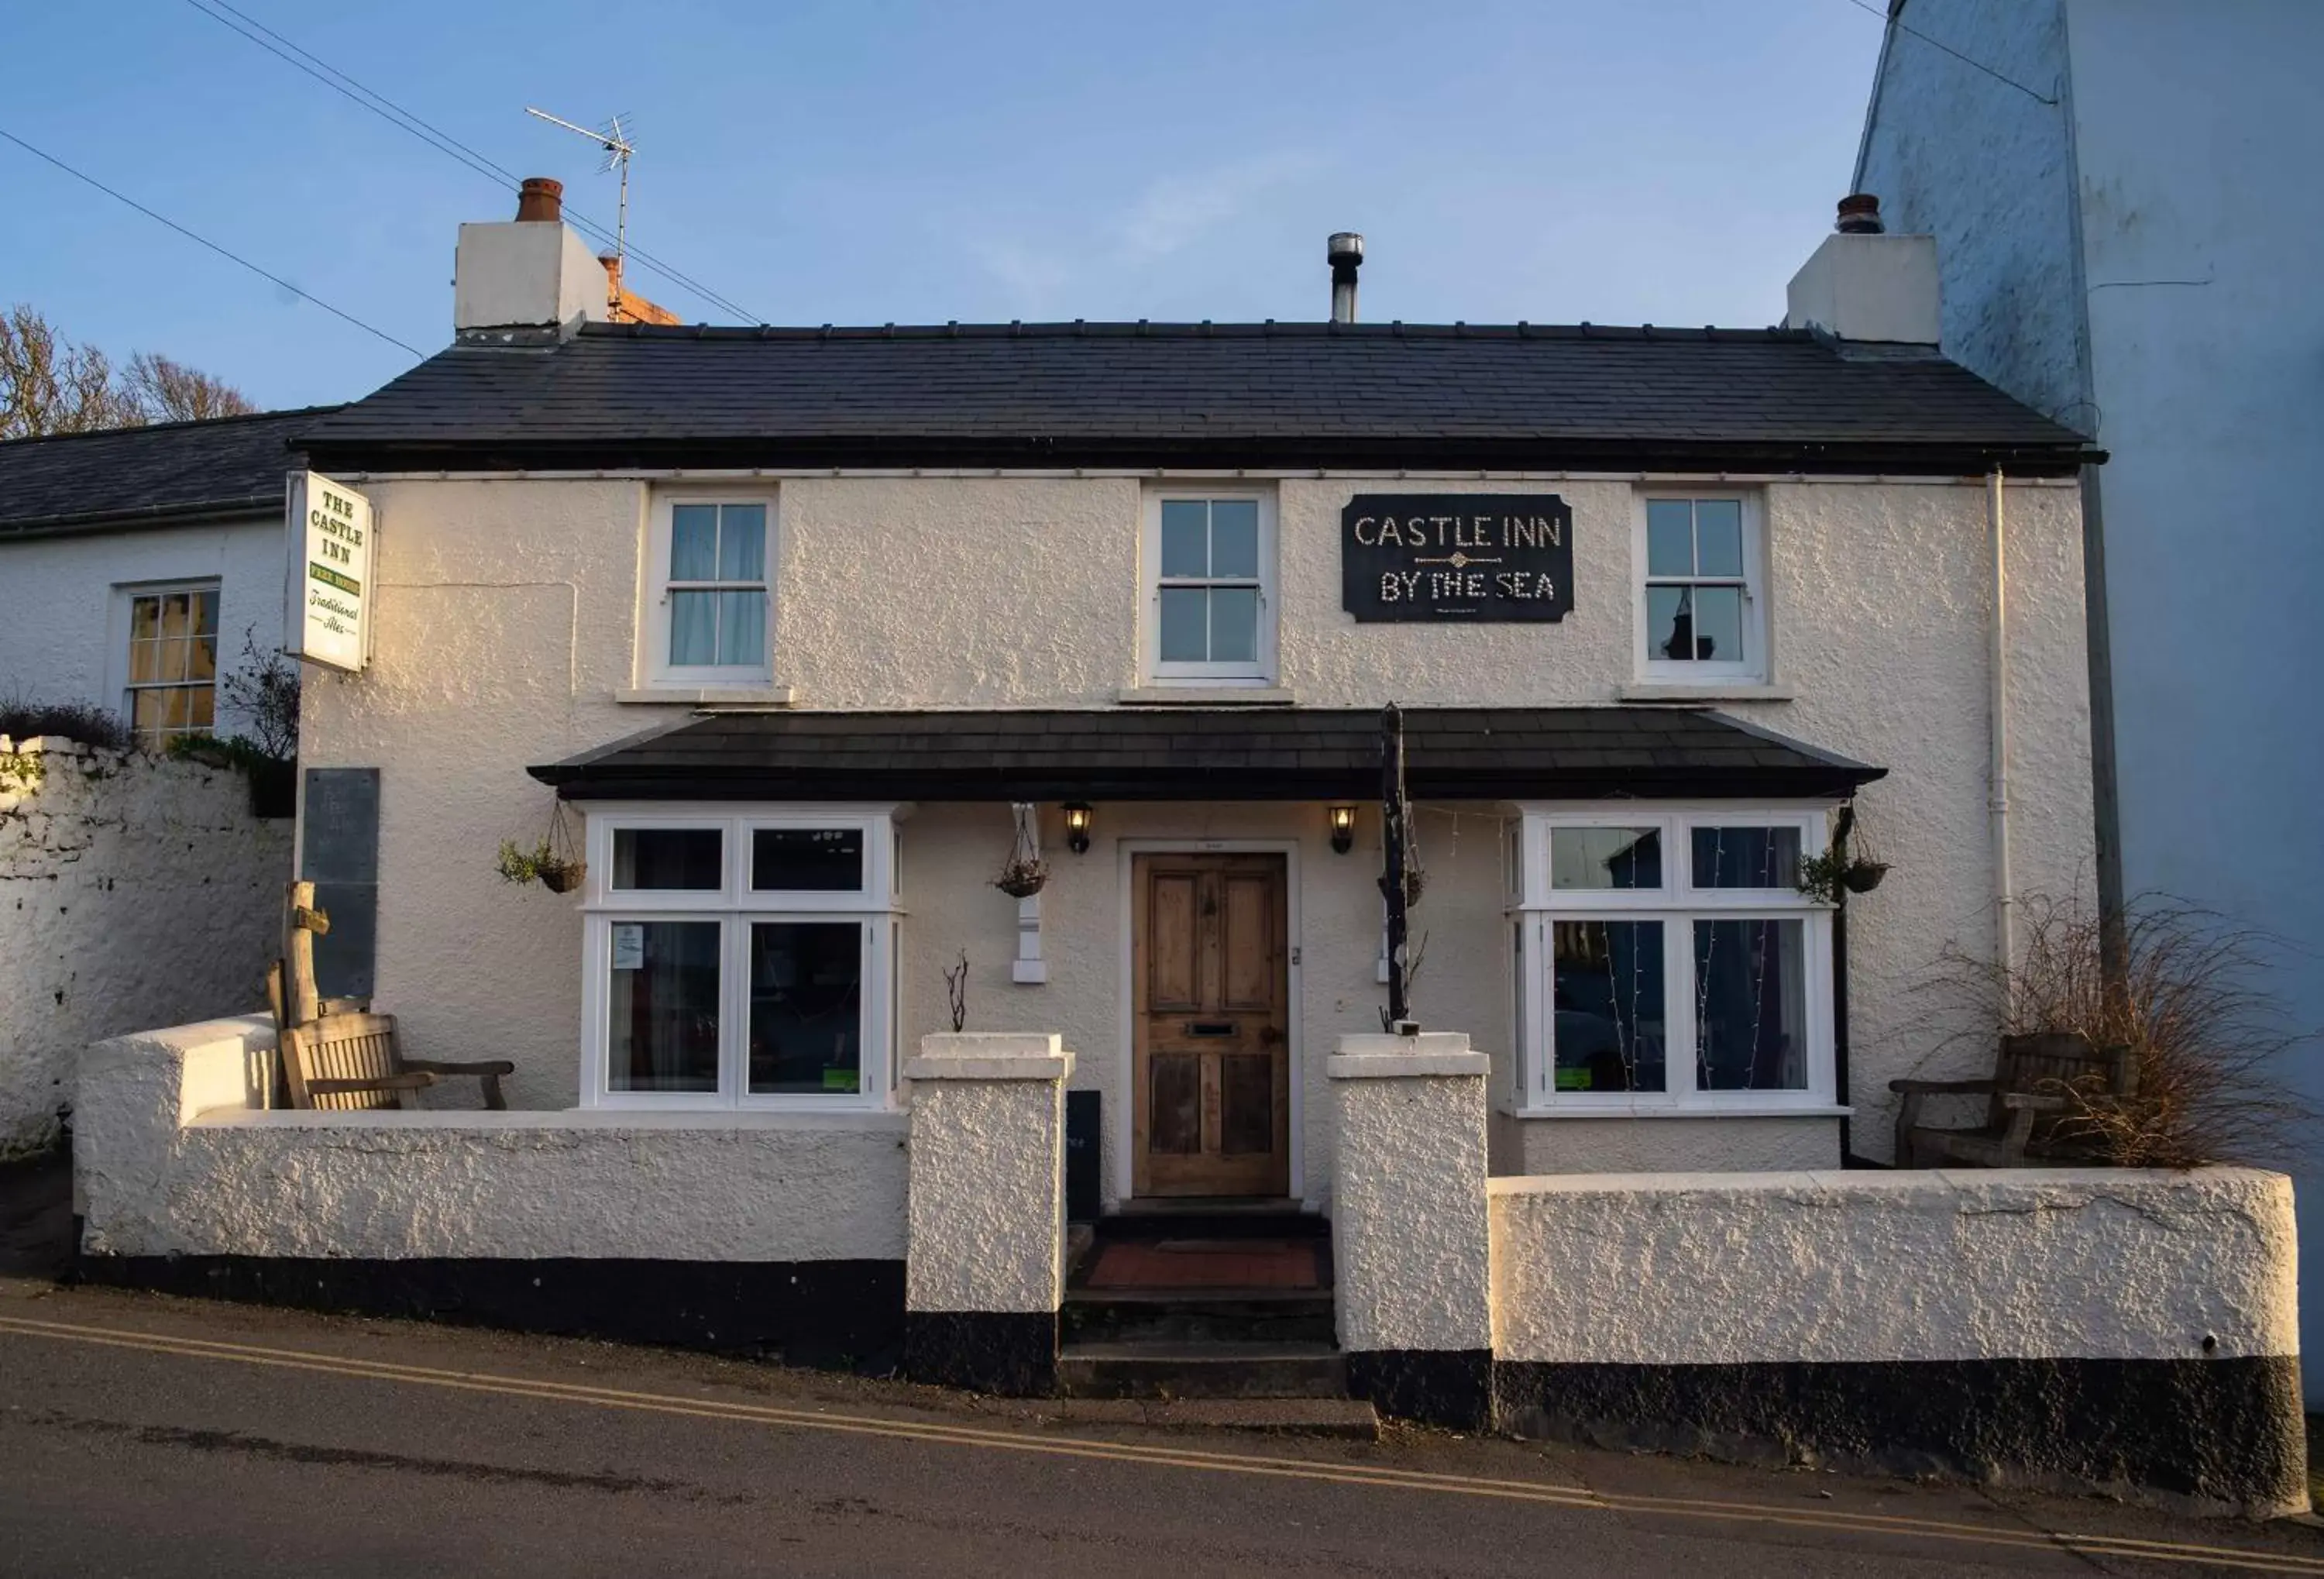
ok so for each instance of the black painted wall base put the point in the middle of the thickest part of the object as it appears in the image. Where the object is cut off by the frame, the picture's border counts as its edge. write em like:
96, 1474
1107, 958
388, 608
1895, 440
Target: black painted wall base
1451, 1389
2229, 1433
1010, 1352
832, 1315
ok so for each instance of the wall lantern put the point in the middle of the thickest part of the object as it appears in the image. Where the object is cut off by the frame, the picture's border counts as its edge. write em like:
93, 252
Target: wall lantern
1077, 826
1343, 829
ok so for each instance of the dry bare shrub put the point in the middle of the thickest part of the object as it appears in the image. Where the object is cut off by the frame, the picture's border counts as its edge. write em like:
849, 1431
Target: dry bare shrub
2188, 998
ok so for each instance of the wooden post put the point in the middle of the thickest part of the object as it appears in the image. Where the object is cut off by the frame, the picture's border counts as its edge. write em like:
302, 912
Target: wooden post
1392, 880
303, 922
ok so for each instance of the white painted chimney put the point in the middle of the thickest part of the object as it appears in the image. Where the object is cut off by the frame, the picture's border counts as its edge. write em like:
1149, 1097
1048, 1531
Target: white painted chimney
530, 273
1862, 284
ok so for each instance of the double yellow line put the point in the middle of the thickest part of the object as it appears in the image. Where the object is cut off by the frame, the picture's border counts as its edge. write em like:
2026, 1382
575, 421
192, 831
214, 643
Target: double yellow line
940, 1434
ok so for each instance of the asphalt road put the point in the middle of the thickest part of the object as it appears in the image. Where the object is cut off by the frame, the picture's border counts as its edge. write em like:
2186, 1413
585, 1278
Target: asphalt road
139, 1436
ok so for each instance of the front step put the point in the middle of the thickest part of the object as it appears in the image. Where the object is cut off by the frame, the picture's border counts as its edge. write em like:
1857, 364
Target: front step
1160, 1369
1177, 1315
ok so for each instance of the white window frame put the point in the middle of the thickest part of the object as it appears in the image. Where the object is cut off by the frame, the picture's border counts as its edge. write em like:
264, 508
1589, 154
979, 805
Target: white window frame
1754, 668
1677, 904
121, 662
655, 585
1262, 672
735, 906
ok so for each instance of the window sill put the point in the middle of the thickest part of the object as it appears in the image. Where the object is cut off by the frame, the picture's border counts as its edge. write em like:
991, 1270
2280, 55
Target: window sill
1757, 1110
1205, 696
708, 697
1680, 692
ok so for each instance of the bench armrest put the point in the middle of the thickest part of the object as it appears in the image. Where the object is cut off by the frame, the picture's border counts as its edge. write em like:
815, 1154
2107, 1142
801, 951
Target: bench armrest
1942, 1087
486, 1066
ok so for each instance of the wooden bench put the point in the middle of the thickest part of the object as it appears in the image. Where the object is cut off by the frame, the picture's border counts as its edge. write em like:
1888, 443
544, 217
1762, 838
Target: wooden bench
344, 1062
2034, 1078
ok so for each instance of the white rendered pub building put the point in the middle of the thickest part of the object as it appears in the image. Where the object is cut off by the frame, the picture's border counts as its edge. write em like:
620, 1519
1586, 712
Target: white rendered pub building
801, 637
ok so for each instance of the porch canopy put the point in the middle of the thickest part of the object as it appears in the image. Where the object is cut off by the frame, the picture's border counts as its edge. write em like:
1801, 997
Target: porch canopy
1451, 754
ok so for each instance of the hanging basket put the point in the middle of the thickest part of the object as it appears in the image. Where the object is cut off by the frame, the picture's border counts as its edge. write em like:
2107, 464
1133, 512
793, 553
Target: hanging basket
1026, 874
1863, 876
1021, 880
554, 863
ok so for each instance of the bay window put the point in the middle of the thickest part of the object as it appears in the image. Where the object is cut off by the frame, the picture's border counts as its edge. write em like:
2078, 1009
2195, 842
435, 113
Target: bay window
740, 956
1667, 961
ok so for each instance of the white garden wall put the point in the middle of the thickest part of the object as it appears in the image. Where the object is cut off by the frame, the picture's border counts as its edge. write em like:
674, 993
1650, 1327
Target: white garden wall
135, 891
1712, 1268
174, 1159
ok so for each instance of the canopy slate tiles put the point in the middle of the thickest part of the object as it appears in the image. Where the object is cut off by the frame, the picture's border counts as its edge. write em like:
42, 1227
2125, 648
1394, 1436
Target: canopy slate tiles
1244, 754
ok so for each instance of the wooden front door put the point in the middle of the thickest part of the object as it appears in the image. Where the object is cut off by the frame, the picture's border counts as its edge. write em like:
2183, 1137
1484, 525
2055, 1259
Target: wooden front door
1210, 1026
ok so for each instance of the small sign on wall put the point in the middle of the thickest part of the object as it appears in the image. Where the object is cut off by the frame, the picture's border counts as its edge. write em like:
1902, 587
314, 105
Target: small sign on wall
327, 620
1461, 557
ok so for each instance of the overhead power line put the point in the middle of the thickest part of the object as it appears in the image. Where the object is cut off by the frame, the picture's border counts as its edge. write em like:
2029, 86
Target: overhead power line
444, 142
205, 241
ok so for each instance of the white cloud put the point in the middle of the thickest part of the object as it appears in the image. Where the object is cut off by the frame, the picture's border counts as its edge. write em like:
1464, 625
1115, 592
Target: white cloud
1177, 209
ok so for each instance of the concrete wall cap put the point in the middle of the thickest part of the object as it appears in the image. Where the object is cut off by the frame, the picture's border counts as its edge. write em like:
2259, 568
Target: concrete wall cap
555, 1120
1342, 1067
1375, 1055
1011, 1068
992, 1044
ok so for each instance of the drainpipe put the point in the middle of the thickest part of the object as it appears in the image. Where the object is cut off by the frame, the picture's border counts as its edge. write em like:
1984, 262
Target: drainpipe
2005, 898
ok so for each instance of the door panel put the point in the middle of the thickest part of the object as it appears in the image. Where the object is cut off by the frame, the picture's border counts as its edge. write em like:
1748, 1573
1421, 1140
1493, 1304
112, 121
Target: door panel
1210, 1023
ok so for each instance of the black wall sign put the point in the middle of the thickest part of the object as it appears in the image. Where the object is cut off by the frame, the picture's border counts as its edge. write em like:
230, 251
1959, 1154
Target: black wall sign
1467, 557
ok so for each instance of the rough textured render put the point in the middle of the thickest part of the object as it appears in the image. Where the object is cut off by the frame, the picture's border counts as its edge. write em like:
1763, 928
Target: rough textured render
172, 1157
988, 1158
1663, 1145
508, 619
135, 891
1409, 1241
1707, 1269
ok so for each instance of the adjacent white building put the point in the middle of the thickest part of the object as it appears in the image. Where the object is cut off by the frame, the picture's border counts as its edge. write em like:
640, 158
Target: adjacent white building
2126, 220
136, 564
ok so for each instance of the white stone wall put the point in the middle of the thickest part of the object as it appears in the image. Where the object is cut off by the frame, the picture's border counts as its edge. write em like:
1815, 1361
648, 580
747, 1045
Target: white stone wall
1704, 1269
506, 626
63, 631
987, 1196
170, 1158
1409, 1240
135, 891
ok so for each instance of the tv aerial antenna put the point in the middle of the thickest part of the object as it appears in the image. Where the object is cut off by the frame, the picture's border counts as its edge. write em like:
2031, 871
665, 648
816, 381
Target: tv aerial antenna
613, 137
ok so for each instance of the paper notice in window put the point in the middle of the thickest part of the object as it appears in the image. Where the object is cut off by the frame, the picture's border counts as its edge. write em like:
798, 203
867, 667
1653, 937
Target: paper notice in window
629, 945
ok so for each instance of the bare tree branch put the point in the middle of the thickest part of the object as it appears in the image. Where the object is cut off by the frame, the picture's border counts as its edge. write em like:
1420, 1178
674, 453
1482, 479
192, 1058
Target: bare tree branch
50, 385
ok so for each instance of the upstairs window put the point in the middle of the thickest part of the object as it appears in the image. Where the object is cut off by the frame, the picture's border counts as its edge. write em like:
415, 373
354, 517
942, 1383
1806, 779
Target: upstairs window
1210, 568
171, 691
712, 610
1701, 602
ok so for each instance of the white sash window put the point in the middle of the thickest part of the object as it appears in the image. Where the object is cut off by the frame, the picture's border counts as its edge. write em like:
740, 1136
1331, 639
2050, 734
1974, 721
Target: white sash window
738, 957
1668, 960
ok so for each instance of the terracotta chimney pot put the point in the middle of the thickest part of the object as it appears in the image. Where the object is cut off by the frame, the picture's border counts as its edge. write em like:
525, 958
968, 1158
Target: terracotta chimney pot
540, 199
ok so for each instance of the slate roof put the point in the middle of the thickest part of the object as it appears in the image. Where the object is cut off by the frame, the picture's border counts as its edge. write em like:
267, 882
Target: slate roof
170, 474
1204, 753
1136, 394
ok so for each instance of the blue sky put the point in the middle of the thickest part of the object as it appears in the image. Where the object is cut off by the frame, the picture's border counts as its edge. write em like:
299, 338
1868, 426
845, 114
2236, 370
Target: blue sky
1658, 161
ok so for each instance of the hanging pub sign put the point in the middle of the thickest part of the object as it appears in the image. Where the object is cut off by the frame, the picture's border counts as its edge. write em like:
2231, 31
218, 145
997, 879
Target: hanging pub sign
328, 619
1466, 556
